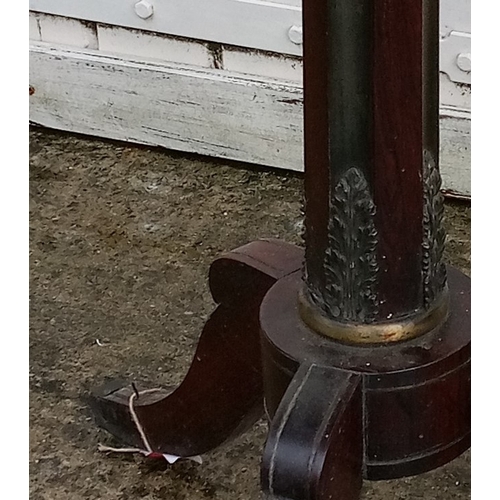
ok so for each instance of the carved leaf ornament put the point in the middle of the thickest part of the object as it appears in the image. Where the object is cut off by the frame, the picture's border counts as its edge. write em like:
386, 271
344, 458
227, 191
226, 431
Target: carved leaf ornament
433, 269
351, 262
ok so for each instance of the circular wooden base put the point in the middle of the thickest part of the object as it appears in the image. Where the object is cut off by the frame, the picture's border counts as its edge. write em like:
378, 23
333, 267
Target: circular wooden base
415, 395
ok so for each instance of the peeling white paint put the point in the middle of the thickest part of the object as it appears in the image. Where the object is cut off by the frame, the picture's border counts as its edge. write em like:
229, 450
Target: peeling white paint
188, 108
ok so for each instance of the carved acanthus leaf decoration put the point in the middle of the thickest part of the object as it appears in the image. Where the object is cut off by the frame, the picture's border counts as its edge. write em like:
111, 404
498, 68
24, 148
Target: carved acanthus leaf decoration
433, 269
351, 266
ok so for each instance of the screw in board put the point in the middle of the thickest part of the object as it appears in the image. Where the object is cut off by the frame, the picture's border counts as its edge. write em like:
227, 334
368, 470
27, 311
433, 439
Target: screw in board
144, 9
464, 62
295, 34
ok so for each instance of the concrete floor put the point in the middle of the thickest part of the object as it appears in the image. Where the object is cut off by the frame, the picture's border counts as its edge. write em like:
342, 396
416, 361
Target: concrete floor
121, 241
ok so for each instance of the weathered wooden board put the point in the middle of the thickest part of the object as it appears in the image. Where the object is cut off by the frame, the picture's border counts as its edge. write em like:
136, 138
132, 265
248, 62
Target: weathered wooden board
200, 110
456, 152
257, 24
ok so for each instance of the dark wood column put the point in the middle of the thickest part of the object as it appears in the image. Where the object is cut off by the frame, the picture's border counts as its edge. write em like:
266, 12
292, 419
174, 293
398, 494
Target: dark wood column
373, 247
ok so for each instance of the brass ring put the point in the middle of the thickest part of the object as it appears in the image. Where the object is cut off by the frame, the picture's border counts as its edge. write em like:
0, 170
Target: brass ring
376, 333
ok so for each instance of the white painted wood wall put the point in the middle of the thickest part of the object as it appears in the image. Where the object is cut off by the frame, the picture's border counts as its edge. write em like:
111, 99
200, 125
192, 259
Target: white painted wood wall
208, 97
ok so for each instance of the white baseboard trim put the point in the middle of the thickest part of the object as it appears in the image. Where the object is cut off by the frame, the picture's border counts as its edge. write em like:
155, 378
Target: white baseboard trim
194, 109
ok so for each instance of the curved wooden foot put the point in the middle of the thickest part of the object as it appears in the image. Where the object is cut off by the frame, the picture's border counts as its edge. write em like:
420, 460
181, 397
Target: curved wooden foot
222, 393
314, 450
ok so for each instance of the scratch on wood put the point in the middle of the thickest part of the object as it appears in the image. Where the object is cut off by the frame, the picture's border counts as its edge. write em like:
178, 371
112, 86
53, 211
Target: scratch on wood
216, 52
291, 101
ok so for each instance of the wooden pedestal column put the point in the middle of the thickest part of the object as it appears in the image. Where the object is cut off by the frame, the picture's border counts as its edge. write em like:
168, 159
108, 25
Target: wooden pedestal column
366, 353
359, 349
374, 239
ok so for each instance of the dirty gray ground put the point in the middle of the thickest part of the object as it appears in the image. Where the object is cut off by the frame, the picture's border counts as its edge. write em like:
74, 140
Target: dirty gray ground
121, 241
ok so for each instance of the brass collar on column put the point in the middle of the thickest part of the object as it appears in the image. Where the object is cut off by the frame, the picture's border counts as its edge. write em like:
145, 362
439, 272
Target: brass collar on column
375, 333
